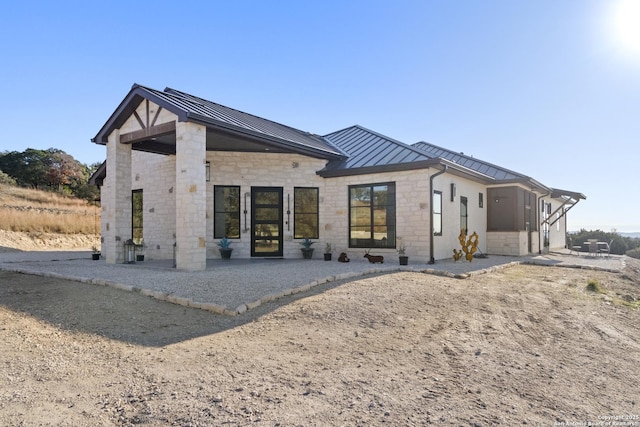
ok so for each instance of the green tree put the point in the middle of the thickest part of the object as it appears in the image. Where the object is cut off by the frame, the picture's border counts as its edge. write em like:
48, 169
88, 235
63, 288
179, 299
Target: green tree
6, 179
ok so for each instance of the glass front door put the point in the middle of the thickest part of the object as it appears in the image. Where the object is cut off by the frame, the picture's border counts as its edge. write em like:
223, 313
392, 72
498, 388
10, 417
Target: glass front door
266, 220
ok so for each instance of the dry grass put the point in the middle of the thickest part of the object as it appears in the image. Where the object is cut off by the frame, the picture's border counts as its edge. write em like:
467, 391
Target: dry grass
28, 210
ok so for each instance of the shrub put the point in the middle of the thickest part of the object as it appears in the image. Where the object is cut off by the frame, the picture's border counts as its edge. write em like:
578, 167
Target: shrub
634, 253
6, 179
594, 286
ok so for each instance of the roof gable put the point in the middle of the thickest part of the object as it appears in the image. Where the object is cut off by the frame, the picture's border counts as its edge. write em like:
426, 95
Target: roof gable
215, 116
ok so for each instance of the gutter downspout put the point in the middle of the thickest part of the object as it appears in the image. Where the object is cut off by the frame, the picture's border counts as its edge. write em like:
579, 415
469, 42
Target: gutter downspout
431, 250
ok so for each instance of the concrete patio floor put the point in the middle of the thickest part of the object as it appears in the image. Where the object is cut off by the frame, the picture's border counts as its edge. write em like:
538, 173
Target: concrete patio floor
233, 286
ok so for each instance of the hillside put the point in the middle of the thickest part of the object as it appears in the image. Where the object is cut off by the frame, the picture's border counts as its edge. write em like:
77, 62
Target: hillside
40, 220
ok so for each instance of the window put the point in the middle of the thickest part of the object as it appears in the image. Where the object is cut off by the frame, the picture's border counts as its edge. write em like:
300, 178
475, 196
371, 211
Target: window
372, 216
437, 213
481, 200
226, 212
136, 217
305, 213
464, 215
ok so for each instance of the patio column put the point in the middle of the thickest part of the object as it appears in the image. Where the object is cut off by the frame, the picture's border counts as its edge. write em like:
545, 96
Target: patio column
191, 197
116, 205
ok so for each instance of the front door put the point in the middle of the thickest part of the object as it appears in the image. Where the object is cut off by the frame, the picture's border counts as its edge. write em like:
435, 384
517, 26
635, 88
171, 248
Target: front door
266, 221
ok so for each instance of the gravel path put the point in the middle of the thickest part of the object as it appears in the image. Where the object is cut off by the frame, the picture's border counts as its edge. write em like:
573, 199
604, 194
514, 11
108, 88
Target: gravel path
236, 285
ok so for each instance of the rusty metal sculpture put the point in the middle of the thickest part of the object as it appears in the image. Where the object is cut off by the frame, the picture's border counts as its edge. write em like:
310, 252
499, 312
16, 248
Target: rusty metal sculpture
469, 246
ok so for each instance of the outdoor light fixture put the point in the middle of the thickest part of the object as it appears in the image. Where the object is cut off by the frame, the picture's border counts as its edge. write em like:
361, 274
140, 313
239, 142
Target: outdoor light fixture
129, 252
453, 191
207, 170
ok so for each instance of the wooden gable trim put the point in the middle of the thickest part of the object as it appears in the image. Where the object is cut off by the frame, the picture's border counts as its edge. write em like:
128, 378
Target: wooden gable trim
148, 133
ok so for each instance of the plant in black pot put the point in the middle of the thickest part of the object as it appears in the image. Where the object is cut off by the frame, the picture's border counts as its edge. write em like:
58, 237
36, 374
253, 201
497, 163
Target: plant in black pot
96, 253
307, 250
140, 248
327, 252
404, 259
224, 245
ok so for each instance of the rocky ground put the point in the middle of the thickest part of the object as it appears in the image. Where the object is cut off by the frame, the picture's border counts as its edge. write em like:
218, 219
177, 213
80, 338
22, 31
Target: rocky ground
526, 345
40, 241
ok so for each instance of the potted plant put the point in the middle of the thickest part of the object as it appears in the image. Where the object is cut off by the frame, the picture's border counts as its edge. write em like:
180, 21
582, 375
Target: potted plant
140, 251
307, 250
327, 252
224, 246
404, 260
96, 253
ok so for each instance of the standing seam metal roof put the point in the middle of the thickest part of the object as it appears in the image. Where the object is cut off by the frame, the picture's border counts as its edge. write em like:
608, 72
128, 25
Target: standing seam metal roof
242, 120
192, 108
366, 148
486, 168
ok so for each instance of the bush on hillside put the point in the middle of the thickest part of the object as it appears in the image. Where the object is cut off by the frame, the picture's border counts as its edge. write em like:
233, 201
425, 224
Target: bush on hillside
6, 179
634, 253
619, 246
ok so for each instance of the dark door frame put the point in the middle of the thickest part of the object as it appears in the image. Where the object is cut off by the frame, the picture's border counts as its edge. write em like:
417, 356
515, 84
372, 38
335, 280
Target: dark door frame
278, 221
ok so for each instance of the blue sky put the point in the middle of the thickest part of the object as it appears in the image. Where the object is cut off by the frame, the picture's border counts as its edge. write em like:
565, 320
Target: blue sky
547, 88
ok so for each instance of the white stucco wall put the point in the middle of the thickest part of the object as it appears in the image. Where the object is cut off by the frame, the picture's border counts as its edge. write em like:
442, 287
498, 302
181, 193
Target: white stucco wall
477, 216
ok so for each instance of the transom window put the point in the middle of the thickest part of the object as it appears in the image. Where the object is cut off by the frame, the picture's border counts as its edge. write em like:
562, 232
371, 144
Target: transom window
372, 215
226, 207
305, 213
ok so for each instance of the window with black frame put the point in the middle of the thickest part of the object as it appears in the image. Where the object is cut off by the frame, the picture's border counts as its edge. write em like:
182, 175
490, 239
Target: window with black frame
464, 215
372, 215
226, 207
305, 213
437, 213
137, 229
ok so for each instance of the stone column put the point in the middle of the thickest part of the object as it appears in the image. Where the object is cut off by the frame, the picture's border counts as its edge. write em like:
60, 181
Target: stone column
116, 201
191, 197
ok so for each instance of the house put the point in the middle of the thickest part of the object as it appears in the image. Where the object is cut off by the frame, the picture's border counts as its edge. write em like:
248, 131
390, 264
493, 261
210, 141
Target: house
183, 172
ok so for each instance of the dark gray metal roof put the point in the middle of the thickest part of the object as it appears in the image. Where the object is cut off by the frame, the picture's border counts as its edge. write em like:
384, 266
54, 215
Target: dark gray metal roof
558, 193
368, 149
486, 168
194, 109
499, 174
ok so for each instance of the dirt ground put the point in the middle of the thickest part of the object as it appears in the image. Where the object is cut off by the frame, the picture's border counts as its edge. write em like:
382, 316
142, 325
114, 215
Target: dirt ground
526, 345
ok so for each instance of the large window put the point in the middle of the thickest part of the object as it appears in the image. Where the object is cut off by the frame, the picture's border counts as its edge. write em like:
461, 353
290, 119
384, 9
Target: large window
372, 216
226, 216
437, 213
136, 217
305, 213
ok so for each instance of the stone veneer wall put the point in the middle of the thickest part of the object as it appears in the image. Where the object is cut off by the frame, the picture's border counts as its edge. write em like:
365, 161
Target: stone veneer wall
264, 170
155, 174
511, 243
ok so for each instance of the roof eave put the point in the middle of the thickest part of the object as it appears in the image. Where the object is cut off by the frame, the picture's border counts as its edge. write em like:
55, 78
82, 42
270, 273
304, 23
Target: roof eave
273, 141
439, 163
558, 193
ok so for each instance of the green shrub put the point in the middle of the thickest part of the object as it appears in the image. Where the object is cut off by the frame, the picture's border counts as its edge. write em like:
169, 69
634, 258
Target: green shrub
594, 286
634, 253
6, 179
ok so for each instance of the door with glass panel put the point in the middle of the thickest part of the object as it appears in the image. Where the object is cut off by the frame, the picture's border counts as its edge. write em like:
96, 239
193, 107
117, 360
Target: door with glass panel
266, 221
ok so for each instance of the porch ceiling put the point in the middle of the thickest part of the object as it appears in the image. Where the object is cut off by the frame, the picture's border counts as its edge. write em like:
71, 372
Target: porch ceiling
216, 141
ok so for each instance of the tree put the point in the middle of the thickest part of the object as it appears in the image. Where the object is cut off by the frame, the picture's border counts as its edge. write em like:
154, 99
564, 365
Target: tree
51, 169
